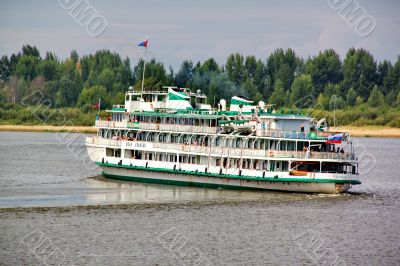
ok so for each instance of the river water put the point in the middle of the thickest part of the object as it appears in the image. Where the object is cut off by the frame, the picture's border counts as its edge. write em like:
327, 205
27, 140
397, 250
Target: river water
55, 208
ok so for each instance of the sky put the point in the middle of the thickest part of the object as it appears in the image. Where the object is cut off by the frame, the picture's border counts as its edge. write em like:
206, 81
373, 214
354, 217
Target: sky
197, 30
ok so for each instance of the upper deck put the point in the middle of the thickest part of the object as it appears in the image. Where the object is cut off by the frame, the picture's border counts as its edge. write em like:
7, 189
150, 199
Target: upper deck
179, 110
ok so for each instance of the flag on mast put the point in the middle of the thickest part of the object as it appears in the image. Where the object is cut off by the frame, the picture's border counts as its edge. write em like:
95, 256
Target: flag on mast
335, 139
144, 44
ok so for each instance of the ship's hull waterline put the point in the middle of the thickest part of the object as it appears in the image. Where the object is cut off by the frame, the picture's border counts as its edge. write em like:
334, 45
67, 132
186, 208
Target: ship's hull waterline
185, 179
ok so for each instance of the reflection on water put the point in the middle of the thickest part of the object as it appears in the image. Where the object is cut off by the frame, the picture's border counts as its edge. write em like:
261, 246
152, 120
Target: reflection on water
104, 191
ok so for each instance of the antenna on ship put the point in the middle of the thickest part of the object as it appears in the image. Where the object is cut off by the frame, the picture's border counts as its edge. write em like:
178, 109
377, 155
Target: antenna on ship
144, 44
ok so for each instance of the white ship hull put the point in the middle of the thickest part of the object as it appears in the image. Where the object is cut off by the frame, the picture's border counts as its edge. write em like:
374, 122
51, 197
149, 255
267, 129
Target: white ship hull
176, 178
212, 176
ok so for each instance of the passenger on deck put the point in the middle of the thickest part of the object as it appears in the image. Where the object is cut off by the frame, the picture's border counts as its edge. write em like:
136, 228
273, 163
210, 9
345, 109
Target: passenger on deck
308, 152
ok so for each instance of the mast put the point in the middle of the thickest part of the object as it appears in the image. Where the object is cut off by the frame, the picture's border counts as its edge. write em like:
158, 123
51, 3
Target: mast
144, 68
144, 44
98, 110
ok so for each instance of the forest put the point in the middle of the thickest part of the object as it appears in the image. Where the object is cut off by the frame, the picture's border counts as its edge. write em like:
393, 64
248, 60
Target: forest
361, 90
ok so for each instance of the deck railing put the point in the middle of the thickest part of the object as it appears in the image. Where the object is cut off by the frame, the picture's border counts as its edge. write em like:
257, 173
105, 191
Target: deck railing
103, 141
245, 152
211, 130
296, 134
161, 127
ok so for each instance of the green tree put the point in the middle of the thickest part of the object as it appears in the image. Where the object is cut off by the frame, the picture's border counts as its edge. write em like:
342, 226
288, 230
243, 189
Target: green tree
383, 76
332, 89
278, 96
221, 87
210, 65
250, 65
49, 69
27, 67
351, 97
184, 77
393, 79
324, 68
30, 51
74, 56
90, 96
322, 101
155, 75
251, 90
359, 69
336, 102
283, 65
235, 68
302, 91
5, 70
202, 75
398, 99
376, 99
107, 79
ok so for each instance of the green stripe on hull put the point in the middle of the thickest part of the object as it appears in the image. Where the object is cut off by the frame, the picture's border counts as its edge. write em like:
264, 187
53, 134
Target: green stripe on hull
176, 182
250, 178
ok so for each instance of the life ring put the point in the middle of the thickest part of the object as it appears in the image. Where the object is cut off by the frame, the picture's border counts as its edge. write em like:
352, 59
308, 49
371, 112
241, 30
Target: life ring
271, 154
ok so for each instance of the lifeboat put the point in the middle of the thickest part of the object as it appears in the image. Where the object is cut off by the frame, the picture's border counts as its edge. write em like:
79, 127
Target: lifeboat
298, 173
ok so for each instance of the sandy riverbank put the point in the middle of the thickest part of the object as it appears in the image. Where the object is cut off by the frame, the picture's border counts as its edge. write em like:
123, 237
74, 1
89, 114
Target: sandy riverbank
370, 131
367, 131
48, 128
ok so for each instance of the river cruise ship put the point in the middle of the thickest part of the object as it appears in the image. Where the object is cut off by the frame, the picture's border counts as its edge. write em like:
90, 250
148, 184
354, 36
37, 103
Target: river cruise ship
172, 136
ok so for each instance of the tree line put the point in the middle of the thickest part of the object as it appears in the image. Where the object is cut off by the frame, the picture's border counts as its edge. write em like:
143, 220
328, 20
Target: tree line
282, 78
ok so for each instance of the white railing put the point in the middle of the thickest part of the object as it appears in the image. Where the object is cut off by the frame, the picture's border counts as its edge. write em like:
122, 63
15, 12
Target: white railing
312, 155
161, 127
103, 141
245, 152
115, 124
296, 134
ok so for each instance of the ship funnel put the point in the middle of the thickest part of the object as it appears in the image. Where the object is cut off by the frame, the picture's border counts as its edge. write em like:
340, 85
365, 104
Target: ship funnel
261, 104
223, 104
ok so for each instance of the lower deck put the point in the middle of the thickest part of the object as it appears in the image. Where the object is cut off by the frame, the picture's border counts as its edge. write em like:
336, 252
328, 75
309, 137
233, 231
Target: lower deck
188, 178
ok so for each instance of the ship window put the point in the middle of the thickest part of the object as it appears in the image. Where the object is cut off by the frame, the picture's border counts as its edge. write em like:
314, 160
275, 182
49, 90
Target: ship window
255, 164
127, 98
290, 146
285, 166
109, 152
